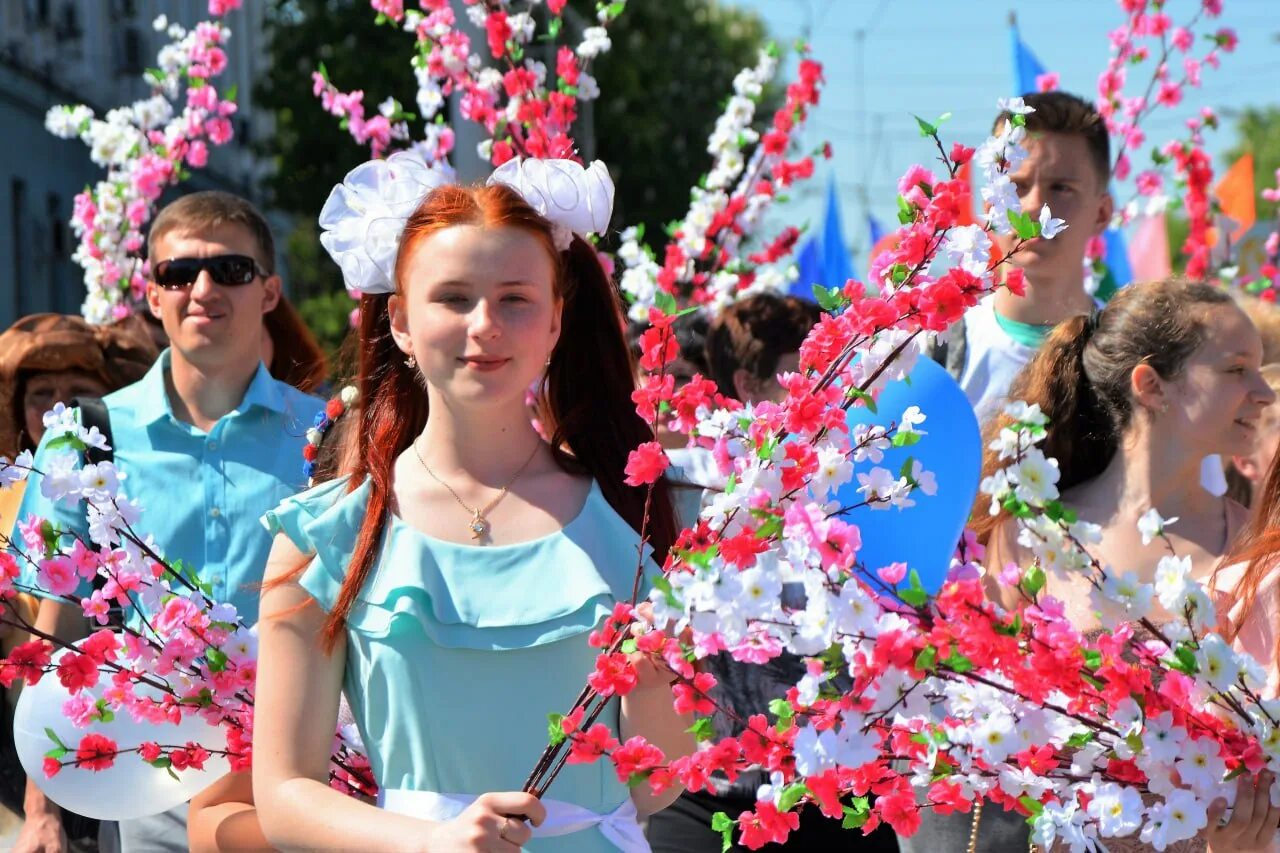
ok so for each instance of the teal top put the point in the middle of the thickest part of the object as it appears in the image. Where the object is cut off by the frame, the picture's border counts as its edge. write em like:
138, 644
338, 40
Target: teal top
201, 492
457, 653
1027, 334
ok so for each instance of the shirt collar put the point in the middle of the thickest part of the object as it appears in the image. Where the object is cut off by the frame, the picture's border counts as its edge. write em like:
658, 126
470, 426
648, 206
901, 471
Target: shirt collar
154, 405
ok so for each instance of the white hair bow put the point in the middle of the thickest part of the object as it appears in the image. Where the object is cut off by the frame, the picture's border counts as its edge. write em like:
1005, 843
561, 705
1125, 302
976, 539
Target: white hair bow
365, 215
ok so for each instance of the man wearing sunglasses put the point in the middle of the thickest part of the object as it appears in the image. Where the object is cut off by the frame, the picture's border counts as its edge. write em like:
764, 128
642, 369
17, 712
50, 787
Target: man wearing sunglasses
209, 441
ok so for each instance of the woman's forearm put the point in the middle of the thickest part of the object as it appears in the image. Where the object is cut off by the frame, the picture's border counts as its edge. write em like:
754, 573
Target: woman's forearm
226, 828
648, 711
305, 814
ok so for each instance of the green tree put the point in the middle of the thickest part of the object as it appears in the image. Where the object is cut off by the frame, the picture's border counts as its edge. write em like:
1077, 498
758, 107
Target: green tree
654, 115
662, 86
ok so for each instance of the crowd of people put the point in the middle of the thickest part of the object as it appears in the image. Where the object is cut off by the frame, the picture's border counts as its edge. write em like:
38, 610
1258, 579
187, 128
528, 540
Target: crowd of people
436, 583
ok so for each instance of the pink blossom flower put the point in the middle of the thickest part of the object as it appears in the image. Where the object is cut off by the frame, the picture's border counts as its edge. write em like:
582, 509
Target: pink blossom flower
1047, 82
57, 575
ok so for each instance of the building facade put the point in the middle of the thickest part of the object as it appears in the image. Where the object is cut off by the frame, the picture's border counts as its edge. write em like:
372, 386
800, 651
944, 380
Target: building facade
93, 52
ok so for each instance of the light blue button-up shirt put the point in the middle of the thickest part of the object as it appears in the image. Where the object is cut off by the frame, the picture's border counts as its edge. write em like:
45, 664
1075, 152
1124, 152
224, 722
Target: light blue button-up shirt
202, 494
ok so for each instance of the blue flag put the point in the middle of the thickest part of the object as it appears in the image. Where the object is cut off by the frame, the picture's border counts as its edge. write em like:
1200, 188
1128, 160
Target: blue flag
809, 265
1026, 67
837, 268
876, 230
1117, 258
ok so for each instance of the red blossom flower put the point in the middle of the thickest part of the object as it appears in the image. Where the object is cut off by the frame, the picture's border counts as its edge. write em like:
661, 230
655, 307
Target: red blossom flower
766, 825
96, 752
645, 464
587, 746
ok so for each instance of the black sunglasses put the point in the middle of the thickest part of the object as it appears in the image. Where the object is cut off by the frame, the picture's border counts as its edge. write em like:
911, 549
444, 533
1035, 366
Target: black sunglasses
233, 270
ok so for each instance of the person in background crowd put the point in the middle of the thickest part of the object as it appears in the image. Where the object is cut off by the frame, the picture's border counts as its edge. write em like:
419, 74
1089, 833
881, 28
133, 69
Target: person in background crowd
1136, 395
1068, 167
1246, 472
207, 415
47, 359
691, 335
748, 345
53, 358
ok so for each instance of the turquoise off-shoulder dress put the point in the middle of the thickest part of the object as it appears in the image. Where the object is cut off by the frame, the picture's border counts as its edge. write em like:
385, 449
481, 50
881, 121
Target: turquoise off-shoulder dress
457, 653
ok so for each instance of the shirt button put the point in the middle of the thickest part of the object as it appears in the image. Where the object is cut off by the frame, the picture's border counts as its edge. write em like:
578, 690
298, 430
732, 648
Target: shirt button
215, 512
213, 447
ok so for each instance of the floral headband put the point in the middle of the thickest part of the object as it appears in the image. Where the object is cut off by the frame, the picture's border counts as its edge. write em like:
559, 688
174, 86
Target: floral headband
365, 215
325, 418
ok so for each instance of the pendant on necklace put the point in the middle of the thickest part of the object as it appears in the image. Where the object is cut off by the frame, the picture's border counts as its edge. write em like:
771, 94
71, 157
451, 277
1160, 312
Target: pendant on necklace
478, 526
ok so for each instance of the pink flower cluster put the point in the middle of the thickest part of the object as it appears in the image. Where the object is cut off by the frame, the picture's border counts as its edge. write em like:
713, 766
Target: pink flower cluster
1150, 35
145, 148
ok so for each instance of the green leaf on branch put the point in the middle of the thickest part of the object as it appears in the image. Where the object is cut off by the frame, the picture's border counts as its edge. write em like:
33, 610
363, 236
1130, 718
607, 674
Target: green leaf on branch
1033, 581
926, 129
829, 298
1092, 658
958, 663
217, 660
555, 734
663, 585
856, 814
665, 302
638, 778
102, 712
865, 397
57, 752
905, 439
791, 795
782, 709
915, 593
701, 729
1023, 225
927, 660
723, 824
162, 763
1079, 739
1033, 806
1184, 660
67, 440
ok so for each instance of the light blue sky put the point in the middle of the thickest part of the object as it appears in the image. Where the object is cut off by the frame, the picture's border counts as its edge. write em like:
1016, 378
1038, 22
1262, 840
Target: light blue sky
935, 56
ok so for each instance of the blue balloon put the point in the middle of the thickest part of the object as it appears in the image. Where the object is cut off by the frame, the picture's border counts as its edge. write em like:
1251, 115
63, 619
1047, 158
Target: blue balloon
923, 536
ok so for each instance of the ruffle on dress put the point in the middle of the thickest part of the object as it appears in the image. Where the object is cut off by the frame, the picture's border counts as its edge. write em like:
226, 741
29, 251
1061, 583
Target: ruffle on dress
490, 598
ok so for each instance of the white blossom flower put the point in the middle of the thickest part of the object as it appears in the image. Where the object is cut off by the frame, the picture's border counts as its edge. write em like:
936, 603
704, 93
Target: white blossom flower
1199, 765
1050, 227
1151, 525
1118, 809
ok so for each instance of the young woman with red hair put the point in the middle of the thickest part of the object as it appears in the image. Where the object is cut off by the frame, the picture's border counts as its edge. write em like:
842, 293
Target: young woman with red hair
448, 584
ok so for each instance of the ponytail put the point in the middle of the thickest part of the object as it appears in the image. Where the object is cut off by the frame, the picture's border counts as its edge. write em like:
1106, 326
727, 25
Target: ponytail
586, 400
1080, 435
1081, 377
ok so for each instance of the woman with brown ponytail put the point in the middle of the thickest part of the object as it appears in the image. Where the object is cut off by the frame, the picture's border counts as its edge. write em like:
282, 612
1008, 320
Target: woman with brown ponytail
1136, 396
449, 583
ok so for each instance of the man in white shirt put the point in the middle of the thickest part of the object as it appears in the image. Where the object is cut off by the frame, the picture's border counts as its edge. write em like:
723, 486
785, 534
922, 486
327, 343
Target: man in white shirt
1068, 167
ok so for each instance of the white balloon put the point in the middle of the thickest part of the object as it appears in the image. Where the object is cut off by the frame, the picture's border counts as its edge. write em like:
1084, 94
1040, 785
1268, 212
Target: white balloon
130, 788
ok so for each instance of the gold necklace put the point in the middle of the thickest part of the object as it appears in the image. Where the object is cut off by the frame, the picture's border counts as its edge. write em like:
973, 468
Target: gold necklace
479, 524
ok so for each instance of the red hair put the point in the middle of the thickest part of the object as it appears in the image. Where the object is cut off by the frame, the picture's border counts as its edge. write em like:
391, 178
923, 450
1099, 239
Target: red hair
585, 402
1258, 547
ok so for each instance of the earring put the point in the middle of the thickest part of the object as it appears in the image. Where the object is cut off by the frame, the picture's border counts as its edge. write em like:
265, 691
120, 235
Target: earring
411, 362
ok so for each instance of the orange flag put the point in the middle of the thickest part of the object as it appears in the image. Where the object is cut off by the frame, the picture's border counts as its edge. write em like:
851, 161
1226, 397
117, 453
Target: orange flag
1236, 195
965, 173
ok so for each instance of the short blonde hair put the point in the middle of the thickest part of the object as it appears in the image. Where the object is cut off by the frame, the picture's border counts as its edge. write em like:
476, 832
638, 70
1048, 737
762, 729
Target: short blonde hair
211, 209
